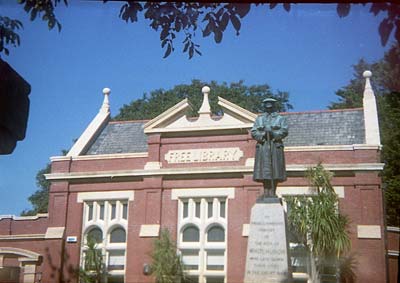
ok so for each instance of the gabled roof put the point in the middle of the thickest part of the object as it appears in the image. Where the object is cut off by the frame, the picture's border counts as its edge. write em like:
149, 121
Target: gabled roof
318, 128
330, 127
175, 119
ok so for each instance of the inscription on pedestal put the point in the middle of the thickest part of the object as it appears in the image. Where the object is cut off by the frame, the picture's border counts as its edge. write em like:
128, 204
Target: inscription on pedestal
267, 252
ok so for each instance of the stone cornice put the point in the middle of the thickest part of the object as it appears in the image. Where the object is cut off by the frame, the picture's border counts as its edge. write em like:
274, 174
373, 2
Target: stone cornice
100, 156
22, 237
333, 147
293, 168
33, 217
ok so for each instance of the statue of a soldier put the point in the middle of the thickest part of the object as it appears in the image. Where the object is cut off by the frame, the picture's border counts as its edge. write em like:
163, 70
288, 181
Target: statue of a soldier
269, 130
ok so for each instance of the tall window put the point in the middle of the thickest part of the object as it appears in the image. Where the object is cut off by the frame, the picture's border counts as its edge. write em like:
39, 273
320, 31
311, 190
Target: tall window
106, 222
202, 238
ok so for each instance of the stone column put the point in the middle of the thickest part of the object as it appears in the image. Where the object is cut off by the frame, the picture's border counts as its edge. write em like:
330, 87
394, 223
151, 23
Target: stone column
28, 269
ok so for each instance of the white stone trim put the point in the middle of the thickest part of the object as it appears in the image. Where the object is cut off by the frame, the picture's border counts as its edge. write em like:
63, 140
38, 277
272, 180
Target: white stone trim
369, 231
22, 237
305, 190
245, 230
171, 112
152, 165
393, 229
149, 230
370, 113
205, 170
18, 218
237, 109
100, 156
199, 155
54, 233
97, 124
20, 252
200, 128
175, 120
110, 195
333, 147
249, 162
393, 253
209, 192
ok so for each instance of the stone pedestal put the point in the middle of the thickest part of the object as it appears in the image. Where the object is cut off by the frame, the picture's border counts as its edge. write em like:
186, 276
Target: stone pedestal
267, 249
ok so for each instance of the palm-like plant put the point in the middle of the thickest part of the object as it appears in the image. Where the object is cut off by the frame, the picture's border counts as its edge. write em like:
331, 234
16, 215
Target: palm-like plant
317, 222
93, 270
166, 266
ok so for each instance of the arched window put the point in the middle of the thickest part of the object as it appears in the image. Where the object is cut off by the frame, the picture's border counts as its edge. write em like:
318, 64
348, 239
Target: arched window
191, 234
118, 235
95, 234
216, 234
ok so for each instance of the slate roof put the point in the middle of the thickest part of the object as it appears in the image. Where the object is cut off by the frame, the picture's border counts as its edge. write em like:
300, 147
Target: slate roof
120, 137
335, 127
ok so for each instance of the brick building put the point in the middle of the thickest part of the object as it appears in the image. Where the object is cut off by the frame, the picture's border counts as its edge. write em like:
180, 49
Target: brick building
122, 182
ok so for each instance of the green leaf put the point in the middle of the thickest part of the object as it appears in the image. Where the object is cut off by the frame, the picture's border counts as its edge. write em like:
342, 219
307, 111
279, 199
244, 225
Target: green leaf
218, 36
272, 5
343, 9
164, 33
224, 21
243, 9
33, 14
235, 22
168, 51
286, 6
385, 28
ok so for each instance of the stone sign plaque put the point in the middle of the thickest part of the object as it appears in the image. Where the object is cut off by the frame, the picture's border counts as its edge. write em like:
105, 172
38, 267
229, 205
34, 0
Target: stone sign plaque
267, 249
204, 155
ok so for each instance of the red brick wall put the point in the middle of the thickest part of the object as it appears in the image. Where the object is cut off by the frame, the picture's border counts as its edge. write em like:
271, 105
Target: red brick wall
152, 204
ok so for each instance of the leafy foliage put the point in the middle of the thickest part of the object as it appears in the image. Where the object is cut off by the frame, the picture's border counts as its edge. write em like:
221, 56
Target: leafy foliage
387, 90
43, 8
40, 198
94, 270
248, 97
8, 35
316, 219
390, 133
169, 19
192, 18
166, 266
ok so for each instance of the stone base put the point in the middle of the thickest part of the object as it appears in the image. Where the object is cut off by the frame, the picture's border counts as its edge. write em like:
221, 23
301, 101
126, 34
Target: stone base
267, 258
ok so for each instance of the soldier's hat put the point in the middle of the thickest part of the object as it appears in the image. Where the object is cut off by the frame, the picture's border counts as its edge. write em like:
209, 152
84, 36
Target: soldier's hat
269, 99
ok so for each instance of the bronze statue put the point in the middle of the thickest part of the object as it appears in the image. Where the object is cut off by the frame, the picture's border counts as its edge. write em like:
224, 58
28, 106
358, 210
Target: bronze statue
269, 130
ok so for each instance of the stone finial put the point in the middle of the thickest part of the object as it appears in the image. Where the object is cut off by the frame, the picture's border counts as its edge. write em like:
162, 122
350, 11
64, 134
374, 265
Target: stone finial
205, 106
370, 112
106, 103
367, 74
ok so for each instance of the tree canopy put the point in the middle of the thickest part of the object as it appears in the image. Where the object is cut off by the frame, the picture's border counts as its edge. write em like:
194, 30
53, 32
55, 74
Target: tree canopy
40, 198
385, 74
188, 19
248, 97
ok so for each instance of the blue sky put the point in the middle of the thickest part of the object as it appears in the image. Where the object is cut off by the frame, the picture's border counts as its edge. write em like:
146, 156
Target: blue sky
307, 52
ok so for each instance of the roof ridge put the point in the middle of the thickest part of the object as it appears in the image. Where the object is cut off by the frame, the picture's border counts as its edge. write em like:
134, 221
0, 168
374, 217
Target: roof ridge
322, 111
128, 121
